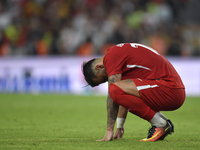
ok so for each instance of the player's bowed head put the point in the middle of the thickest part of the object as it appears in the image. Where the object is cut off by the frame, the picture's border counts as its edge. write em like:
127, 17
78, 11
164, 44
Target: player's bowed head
94, 72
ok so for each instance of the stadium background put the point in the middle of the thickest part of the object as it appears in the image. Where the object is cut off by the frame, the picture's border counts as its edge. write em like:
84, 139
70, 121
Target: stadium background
44, 42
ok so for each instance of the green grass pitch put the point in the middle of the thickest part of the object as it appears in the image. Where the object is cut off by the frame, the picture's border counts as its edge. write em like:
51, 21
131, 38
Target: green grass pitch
75, 122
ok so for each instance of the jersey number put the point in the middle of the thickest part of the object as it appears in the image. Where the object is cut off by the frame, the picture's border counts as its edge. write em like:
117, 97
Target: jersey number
135, 45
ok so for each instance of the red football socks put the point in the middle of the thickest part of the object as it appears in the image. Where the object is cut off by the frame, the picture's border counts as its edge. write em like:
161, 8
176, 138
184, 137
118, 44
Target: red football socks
133, 104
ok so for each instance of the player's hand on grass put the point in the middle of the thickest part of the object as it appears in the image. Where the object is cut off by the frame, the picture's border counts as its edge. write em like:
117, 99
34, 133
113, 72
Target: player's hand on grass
119, 133
108, 136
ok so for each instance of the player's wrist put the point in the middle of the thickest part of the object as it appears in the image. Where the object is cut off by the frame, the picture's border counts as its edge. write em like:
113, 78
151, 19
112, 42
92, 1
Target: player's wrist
110, 128
120, 122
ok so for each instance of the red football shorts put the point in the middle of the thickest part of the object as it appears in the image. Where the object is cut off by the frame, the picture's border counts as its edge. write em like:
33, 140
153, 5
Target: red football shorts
159, 97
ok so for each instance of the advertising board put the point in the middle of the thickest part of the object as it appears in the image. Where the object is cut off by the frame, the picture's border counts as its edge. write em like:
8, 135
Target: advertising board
64, 75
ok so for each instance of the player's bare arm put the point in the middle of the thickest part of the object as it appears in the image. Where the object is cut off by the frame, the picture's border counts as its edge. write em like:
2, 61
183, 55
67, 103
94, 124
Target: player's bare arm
128, 86
121, 118
112, 110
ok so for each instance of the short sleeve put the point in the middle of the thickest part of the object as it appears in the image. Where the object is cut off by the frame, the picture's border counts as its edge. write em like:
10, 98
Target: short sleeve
113, 64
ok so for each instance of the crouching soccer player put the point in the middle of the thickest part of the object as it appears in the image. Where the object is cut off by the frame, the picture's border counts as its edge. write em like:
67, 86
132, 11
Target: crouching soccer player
140, 81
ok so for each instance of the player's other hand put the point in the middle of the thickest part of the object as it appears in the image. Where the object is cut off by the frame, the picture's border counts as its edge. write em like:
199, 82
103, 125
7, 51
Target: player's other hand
119, 133
108, 136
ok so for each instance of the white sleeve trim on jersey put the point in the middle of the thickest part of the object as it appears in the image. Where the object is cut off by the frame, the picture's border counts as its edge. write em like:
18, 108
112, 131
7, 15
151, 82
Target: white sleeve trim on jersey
138, 66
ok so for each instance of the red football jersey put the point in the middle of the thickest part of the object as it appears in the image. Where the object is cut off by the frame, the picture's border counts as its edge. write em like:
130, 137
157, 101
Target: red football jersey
134, 60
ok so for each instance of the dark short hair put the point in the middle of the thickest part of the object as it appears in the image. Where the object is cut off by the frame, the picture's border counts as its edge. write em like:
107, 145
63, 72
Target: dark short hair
89, 73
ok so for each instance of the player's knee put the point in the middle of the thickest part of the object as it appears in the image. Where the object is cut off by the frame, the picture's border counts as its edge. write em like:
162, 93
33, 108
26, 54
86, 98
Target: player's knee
114, 92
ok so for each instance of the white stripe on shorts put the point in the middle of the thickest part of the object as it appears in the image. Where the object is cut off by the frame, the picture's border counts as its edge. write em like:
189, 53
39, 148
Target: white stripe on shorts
146, 87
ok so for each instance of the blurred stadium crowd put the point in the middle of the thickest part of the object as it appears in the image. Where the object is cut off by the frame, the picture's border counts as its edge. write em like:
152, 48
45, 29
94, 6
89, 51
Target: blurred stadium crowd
89, 27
